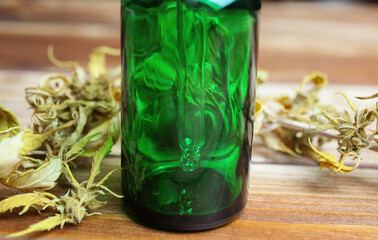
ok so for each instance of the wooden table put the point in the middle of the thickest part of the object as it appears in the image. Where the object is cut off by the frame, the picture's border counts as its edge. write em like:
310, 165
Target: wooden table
290, 198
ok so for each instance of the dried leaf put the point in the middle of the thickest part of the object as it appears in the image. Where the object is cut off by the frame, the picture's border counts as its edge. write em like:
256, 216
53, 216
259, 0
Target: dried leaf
99, 156
74, 206
330, 162
9, 155
42, 178
375, 95
95, 204
79, 73
44, 118
107, 176
349, 102
97, 60
101, 133
109, 127
33, 141
262, 76
29, 162
81, 120
8, 121
79, 147
58, 63
44, 225
317, 78
35, 200
56, 85
72, 117
275, 143
258, 120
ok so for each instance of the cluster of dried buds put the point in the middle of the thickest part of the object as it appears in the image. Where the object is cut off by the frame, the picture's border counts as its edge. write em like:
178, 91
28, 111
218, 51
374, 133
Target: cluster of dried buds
291, 124
73, 117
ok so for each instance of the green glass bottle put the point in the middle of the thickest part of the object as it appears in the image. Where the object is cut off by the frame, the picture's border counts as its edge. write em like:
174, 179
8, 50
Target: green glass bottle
189, 71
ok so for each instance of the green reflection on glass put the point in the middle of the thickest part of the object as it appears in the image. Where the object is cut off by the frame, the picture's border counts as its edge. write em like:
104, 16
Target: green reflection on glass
186, 86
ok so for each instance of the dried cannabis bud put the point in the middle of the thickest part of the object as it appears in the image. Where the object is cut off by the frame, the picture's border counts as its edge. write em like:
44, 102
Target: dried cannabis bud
290, 125
14, 153
93, 104
77, 116
73, 206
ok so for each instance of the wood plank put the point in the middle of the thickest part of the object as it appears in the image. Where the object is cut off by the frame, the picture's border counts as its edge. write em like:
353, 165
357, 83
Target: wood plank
296, 38
293, 202
60, 11
27, 50
338, 39
359, 11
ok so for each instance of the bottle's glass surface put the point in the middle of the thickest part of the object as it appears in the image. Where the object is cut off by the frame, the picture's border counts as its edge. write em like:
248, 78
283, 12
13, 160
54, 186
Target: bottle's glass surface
189, 71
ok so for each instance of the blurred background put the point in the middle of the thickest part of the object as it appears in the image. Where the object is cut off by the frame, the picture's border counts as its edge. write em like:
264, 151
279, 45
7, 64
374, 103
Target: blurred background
339, 38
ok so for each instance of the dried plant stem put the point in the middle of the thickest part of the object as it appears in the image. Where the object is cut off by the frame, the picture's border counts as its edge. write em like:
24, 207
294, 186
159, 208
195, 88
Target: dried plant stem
301, 126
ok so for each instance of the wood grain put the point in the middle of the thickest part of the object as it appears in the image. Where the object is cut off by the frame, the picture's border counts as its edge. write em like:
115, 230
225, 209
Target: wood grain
290, 198
338, 39
285, 202
296, 37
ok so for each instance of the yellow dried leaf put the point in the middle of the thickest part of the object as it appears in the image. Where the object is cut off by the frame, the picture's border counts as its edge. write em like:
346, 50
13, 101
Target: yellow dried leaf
258, 121
33, 141
81, 120
44, 118
35, 200
317, 78
349, 102
58, 63
107, 176
45, 225
329, 161
42, 178
79, 73
7, 121
29, 162
9, 159
258, 107
98, 157
21, 144
115, 127
273, 142
101, 133
97, 60
55, 85
79, 147
262, 76
284, 102
375, 95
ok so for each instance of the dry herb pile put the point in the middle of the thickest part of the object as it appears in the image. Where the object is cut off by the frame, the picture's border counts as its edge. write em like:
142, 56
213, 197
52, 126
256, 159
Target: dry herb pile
79, 116
291, 125
73, 117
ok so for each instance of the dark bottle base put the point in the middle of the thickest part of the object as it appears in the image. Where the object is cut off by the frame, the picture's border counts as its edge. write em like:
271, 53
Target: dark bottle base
187, 223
